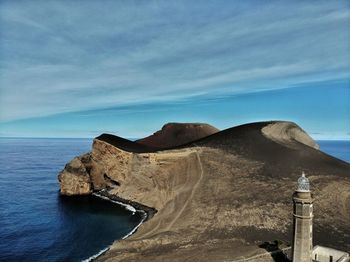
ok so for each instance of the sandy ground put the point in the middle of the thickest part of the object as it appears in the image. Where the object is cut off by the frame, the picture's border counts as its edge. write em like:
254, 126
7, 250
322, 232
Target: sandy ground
221, 197
224, 207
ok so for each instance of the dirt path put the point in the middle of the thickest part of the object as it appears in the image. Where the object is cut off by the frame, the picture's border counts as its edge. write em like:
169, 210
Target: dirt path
165, 220
192, 192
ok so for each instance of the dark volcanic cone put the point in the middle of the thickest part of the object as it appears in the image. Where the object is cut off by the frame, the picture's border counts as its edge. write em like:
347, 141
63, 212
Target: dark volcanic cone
175, 134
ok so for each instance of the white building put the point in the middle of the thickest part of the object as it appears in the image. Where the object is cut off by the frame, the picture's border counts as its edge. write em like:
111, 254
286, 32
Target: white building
302, 249
326, 254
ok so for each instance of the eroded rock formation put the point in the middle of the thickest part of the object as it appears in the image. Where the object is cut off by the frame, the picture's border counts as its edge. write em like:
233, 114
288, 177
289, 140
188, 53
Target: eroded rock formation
219, 197
75, 178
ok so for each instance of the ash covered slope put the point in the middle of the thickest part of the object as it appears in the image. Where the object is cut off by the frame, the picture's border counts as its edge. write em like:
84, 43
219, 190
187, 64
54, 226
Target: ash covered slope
125, 144
282, 146
219, 197
175, 134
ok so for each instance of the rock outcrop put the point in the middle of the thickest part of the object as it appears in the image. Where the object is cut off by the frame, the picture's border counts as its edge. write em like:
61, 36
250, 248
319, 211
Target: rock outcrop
218, 197
75, 177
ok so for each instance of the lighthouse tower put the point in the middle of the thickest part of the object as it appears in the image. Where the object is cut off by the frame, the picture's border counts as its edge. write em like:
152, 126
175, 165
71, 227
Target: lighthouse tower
302, 222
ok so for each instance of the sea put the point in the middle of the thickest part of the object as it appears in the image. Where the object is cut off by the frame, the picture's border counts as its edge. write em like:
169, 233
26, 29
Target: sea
37, 224
337, 148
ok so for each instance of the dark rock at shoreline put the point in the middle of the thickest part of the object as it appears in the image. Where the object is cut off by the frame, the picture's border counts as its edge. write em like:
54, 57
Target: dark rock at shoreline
149, 210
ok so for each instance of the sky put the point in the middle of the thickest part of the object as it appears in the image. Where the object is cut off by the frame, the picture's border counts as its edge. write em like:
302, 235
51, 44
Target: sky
82, 68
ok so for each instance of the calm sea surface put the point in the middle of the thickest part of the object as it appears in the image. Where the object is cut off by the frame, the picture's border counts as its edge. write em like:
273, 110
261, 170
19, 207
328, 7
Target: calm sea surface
36, 224
338, 148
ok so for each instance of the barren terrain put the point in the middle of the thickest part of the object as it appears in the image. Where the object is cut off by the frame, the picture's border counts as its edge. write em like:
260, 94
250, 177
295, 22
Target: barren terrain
222, 196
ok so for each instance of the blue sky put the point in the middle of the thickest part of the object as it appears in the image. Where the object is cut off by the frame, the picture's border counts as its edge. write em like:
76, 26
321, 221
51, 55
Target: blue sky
80, 68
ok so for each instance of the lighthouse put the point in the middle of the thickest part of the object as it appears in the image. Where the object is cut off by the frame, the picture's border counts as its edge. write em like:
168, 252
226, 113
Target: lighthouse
302, 221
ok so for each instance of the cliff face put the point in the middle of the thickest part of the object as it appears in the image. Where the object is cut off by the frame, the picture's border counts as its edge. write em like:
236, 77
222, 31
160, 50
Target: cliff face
140, 177
114, 162
95, 170
75, 177
220, 197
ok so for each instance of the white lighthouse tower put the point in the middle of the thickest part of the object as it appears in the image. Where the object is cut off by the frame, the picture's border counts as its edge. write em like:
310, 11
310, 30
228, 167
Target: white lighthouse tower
302, 222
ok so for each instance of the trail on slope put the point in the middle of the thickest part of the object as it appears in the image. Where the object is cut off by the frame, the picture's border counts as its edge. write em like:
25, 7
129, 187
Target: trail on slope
192, 192
176, 206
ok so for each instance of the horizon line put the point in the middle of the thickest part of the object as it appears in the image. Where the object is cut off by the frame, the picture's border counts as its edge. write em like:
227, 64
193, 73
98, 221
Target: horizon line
134, 138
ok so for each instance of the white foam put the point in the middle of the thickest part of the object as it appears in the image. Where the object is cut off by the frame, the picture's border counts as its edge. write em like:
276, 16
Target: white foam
144, 216
128, 207
96, 255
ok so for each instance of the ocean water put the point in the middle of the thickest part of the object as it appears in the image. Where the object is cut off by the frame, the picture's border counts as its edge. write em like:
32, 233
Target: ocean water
337, 148
36, 223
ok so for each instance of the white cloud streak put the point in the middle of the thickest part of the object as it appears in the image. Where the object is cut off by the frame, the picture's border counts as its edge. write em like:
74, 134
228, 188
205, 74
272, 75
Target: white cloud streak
62, 56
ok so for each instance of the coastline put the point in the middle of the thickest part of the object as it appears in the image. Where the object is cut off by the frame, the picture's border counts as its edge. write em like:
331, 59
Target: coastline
134, 207
214, 195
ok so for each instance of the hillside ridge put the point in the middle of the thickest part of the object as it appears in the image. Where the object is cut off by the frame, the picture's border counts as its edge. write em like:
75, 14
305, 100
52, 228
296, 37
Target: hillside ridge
217, 198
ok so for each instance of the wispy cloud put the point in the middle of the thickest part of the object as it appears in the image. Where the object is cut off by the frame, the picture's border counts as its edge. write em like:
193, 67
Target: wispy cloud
62, 56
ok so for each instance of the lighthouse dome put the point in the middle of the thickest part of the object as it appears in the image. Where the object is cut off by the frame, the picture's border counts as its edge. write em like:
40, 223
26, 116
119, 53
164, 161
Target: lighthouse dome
303, 183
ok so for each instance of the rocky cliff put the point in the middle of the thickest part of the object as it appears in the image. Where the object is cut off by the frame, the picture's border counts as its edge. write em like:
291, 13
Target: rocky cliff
114, 161
218, 197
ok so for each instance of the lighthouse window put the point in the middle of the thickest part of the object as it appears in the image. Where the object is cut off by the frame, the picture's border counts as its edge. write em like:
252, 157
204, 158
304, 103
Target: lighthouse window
299, 208
331, 259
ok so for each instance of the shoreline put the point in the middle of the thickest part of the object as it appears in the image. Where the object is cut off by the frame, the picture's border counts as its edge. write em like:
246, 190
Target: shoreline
134, 207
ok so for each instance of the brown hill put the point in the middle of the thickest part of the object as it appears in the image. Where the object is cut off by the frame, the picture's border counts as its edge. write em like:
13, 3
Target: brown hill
218, 198
283, 147
175, 134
